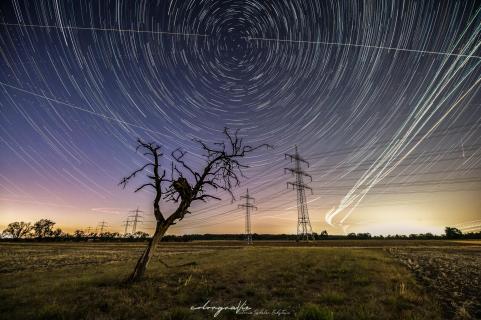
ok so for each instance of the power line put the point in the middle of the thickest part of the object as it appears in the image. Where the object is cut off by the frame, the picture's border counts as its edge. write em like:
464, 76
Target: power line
411, 174
368, 162
438, 133
208, 219
200, 218
202, 221
410, 184
414, 156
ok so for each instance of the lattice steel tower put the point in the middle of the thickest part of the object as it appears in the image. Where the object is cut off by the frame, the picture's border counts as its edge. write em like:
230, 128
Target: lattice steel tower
248, 206
127, 223
304, 229
136, 219
102, 225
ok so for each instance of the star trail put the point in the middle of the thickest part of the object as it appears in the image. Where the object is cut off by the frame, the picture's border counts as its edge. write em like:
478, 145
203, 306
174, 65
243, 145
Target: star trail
381, 97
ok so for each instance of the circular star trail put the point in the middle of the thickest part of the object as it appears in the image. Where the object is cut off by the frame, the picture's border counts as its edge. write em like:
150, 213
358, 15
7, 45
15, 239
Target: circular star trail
381, 97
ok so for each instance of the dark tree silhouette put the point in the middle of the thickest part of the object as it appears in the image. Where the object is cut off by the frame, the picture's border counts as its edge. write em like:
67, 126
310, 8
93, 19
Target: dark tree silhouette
184, 185
140, 235
79, 234
18, 230
43, 228
108, 235
57, 233
453, 233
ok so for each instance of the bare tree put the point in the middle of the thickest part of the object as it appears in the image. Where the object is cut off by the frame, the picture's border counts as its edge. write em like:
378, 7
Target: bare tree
184, 185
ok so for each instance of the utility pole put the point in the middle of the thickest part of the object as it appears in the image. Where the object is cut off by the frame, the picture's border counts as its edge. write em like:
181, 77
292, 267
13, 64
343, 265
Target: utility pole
126, 224
102, 225
136, 219
248, 206
304, 229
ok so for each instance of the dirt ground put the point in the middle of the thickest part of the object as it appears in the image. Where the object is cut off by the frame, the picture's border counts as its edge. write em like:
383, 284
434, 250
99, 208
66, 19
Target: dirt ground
452, 274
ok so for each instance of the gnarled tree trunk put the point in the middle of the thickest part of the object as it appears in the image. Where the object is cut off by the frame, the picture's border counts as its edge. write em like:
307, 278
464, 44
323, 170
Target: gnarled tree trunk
143, 261
221, 172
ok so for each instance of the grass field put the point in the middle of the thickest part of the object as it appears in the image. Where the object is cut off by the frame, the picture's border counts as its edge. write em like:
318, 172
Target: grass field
275, 280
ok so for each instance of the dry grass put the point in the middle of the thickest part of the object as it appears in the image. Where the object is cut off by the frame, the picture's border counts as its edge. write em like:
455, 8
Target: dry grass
85, 281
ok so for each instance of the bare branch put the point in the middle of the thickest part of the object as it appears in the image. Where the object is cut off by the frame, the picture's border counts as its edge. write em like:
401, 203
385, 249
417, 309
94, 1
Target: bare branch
126, 180
178, 156
152, 151
145, 185
205, 196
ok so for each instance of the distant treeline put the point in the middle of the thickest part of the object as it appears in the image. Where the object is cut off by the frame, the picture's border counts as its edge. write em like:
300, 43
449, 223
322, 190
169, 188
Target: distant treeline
43, 230
450, 233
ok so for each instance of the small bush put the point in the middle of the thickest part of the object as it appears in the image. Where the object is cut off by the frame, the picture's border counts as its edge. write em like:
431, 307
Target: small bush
314, 312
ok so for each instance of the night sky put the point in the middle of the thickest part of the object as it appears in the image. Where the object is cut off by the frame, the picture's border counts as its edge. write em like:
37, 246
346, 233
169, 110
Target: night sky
381, 97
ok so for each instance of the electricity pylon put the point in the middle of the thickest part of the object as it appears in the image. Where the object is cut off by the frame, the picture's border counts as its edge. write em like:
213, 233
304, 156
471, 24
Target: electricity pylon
248, 206
102, 225
304, 229
136, 218
127, 224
